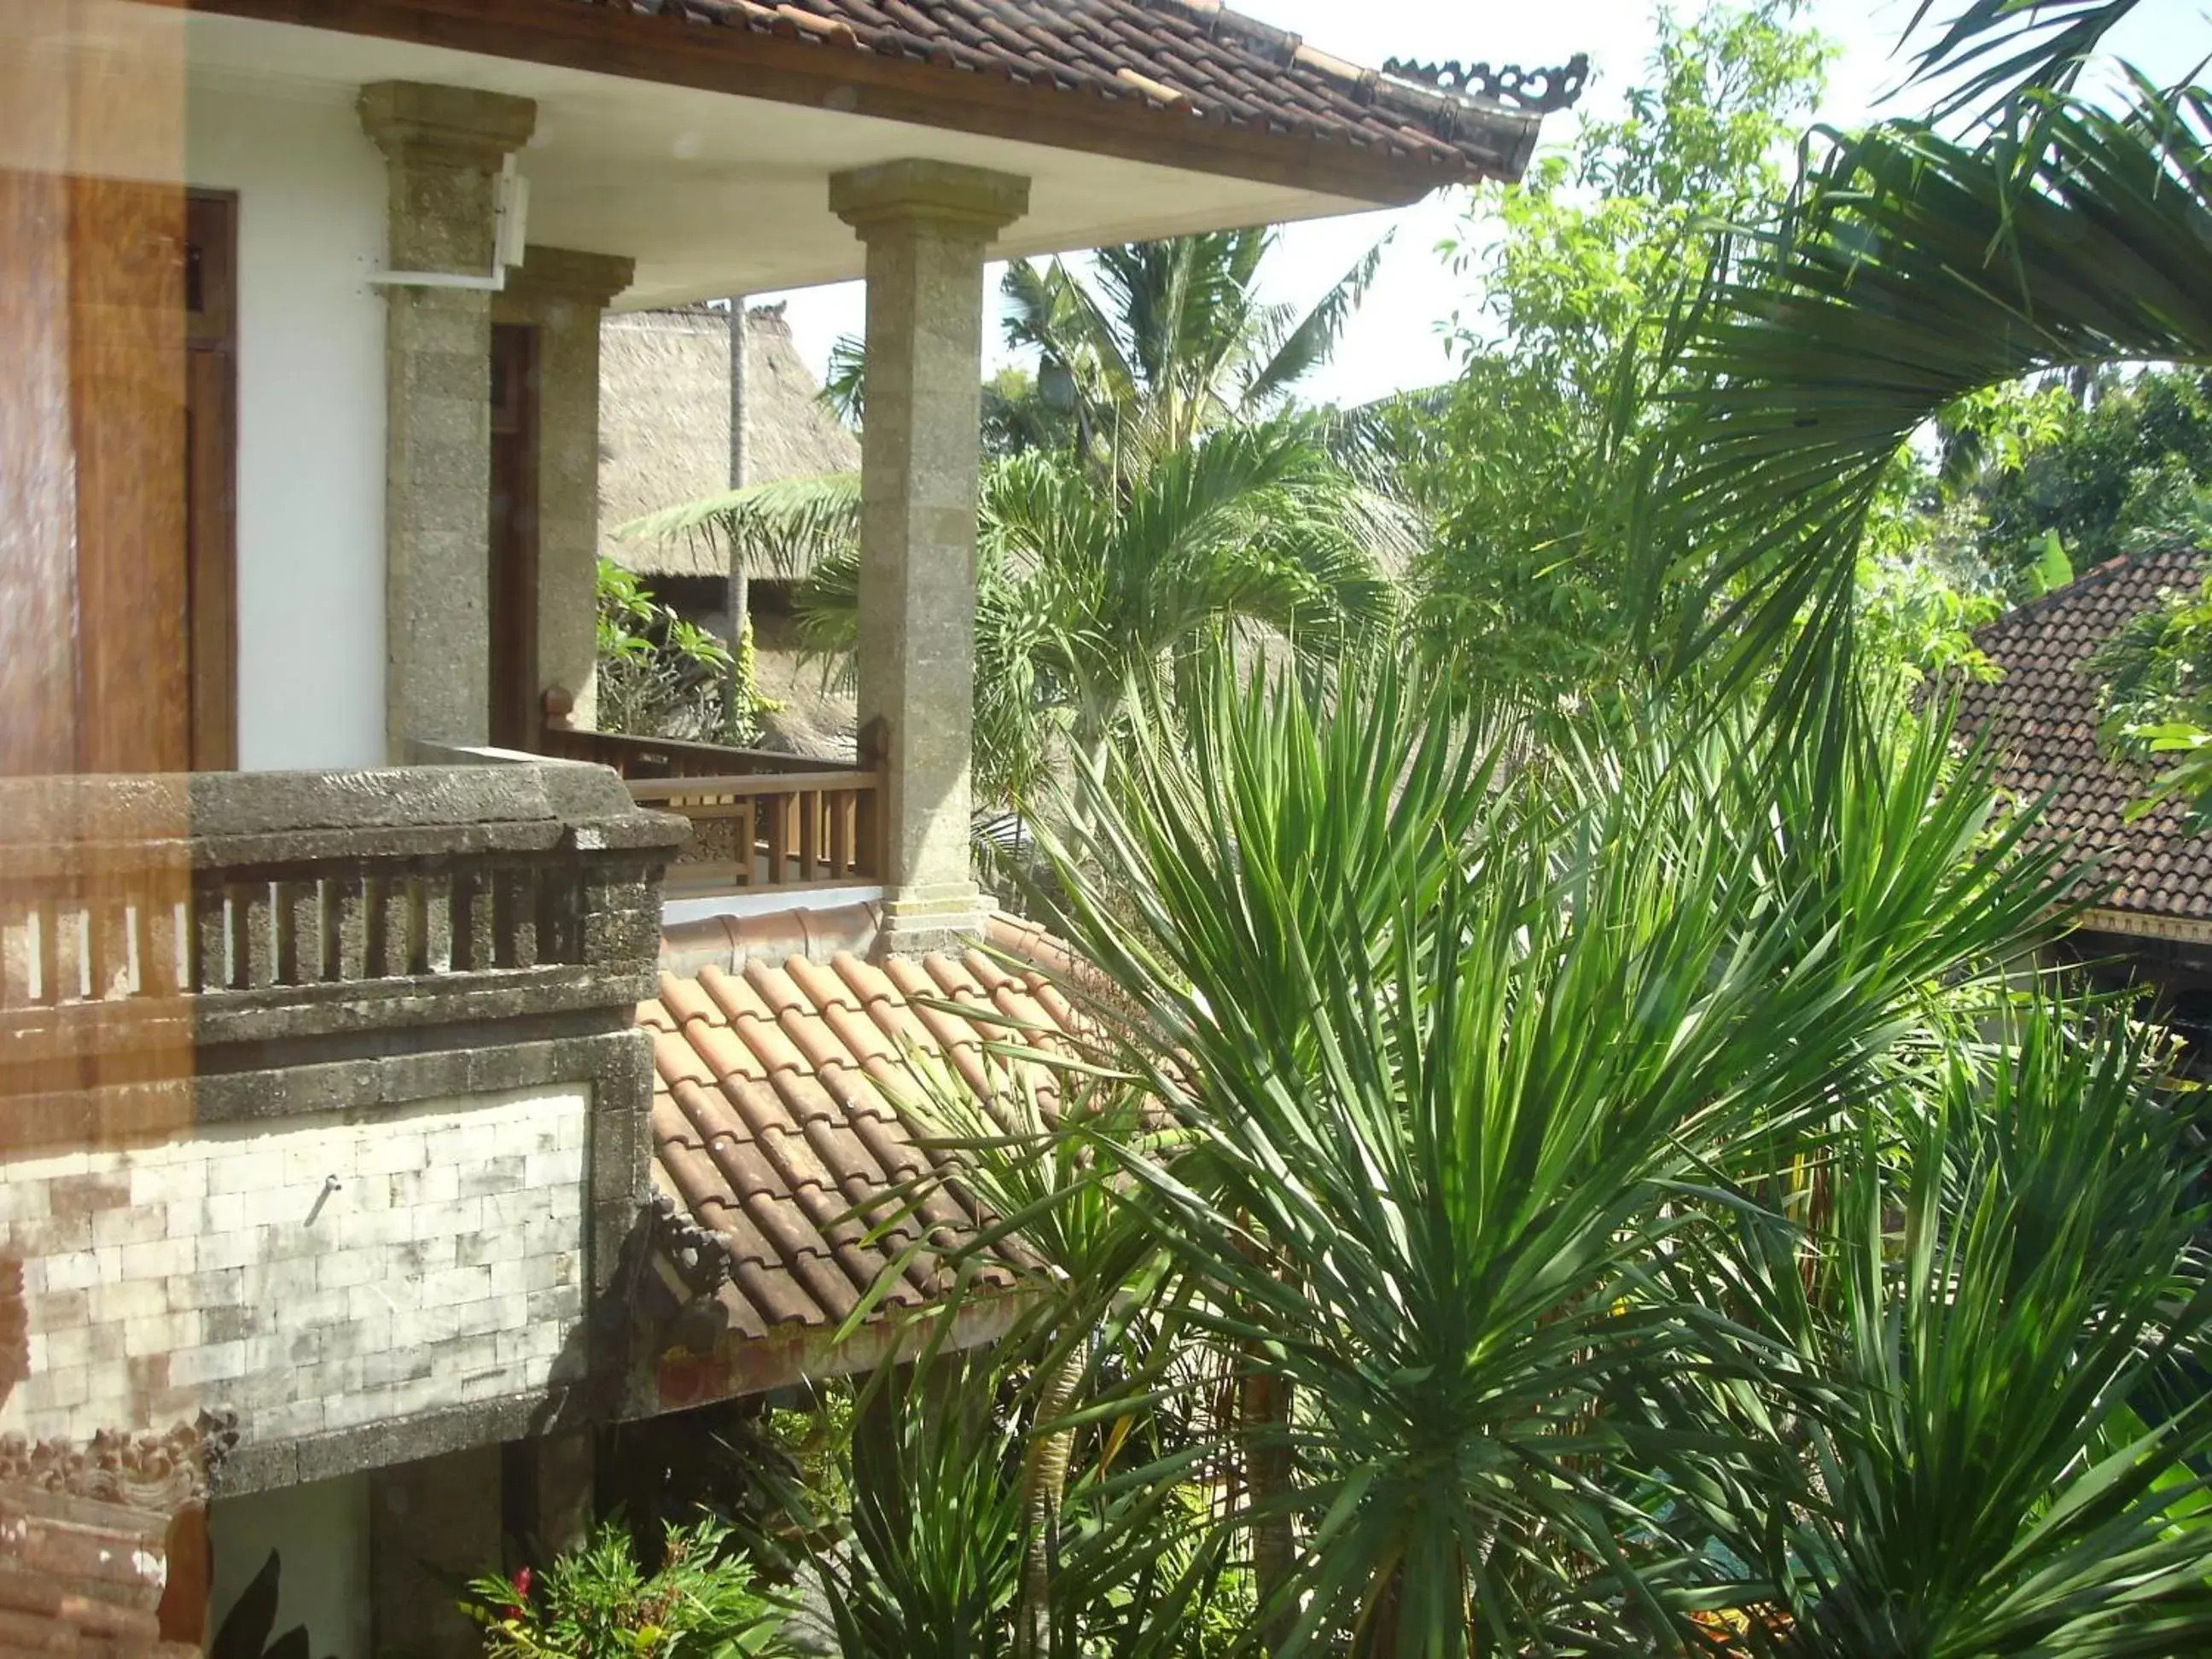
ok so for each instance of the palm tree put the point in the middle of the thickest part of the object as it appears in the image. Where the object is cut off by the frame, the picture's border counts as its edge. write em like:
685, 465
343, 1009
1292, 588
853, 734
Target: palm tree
1192, 507
2058, 235
1167, 340
1089, 594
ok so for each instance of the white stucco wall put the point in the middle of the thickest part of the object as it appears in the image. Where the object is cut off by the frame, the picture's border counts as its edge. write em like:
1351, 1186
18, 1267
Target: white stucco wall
320, 1533
310, 226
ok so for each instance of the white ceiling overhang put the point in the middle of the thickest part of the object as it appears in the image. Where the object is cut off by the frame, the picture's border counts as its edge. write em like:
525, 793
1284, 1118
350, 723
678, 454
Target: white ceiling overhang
714, 194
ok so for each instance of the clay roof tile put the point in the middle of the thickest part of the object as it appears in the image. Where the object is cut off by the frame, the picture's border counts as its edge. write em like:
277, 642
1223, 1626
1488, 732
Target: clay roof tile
784, 1120
2041, 716
1178, 58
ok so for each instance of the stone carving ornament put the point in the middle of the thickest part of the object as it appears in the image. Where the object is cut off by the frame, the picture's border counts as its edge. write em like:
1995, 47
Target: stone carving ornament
1542, 90
157, 1473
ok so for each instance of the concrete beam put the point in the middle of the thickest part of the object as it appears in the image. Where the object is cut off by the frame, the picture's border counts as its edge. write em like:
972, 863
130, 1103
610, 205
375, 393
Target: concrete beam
927, 225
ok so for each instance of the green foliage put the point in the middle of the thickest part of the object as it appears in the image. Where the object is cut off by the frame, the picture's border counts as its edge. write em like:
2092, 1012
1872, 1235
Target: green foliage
1999, 1326
1529, 580
1914, 269
1586, 255
942, 1523
1918, 625
1143, 495
1160, 342
597, 1603
2157, 676
1088, 588
1992, 49
659, 675
2127, 470
934, 1565
818, 1442
1023, 412
1458, 1064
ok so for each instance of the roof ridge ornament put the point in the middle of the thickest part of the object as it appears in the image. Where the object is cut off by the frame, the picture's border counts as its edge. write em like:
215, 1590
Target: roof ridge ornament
1540, 90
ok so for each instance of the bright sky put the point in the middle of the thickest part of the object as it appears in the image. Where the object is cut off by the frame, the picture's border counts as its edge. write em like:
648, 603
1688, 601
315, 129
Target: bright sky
1396, 341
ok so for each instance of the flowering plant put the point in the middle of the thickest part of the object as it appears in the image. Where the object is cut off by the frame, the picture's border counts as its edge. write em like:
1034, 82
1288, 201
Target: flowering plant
597, 1603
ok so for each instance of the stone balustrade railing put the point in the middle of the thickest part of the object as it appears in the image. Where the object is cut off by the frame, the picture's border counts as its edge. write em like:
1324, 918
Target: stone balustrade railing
221, 910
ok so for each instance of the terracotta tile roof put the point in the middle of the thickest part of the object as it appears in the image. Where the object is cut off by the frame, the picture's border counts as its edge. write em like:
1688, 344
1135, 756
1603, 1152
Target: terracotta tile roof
780, 1108
1193, 59
2042, 714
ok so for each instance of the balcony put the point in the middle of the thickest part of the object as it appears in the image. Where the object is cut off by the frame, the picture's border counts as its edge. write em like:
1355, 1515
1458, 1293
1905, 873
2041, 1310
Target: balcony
760, 821
325, 1089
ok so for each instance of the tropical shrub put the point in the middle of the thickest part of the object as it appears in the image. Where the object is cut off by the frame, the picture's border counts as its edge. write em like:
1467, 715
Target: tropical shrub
2000, 1317
662, 676
598, 1603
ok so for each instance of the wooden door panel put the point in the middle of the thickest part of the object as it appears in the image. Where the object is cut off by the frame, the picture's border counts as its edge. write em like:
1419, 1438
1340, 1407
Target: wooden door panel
211, 302
117, 455
127, 425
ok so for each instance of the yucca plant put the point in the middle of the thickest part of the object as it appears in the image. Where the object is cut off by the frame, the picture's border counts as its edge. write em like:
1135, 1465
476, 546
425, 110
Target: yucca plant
2001, 1418
933, 1564
1456, 1061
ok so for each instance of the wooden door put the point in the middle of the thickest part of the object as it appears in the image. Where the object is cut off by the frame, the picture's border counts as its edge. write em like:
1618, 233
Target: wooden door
126, 364
513, 589
211, 476
120, 645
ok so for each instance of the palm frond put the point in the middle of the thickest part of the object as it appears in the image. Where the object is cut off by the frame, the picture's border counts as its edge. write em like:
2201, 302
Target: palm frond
781, 529
1312, 341
1913, 269
845, 386
2002, 46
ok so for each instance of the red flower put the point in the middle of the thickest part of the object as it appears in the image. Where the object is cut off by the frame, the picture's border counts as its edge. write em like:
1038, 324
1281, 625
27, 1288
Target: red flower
521, 1582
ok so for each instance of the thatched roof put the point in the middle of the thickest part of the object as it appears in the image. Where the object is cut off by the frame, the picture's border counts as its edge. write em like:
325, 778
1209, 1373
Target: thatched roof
665, 423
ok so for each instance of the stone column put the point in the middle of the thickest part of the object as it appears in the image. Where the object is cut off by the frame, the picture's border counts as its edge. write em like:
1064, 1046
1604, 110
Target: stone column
443, 147
561, 294
926, 225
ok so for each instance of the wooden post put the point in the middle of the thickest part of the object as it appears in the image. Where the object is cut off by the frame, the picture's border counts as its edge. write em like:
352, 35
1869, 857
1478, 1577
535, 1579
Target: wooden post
739, 598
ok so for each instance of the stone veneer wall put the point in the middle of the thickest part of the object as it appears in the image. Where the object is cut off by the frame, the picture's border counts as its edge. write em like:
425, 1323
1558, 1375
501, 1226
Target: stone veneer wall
312, 1275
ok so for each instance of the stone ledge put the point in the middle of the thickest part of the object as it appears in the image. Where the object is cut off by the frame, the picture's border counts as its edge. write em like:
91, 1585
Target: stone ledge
127, 826
278, 1013
253, 1468
559, 275
413, 117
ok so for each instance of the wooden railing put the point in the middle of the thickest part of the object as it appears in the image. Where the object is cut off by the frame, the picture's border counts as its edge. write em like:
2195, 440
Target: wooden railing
773, 829
638, 758
759, 819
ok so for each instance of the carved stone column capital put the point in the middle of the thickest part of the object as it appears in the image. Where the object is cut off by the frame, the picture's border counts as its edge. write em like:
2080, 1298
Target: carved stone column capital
960, 204
549, 274
460, 126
